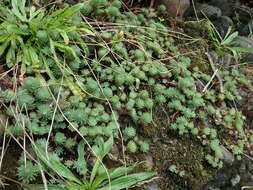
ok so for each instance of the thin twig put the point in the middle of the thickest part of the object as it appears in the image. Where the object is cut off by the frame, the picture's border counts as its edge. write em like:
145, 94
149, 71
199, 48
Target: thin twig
195, 12
216, 72
209, 82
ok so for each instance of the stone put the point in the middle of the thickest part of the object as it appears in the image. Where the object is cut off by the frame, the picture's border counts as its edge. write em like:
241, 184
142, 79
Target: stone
203, 11
222, 25
175, 8
244, 15
208, 11
152, 186
226, 156
235, 180
226, 6
247, 29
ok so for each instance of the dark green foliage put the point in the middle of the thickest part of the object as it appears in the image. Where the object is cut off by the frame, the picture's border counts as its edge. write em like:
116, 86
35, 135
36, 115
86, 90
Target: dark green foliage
44, 110
87, 9
31, 84
43, 94
15, 130
24, 99
80, 163
69, 143
27, 172
91, 85
60, 138
76, 115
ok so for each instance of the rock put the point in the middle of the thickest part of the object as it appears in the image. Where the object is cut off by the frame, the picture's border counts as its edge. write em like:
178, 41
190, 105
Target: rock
175, 7
223, 177
222, 24
203, 11
226, 156
209, 11
247, 29
210, 186
152, 186
232, 177
235, 180
244, 15
226, 6
242, 169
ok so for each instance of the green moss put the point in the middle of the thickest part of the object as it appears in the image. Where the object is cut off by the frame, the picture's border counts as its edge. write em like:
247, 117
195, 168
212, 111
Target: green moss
98, 3
106, 35
14, 130
130, 104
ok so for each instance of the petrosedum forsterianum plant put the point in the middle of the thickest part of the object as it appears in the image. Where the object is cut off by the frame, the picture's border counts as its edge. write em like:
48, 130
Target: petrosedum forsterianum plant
135, 78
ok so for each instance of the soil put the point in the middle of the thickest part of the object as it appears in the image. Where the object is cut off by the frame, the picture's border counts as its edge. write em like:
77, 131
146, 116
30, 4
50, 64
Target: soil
9, 167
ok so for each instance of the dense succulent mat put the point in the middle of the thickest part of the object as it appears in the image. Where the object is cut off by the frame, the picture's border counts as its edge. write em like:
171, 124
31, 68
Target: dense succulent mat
84, 73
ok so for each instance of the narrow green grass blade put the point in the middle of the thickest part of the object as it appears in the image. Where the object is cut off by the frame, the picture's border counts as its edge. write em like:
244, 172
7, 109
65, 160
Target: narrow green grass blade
127, 181
42, 187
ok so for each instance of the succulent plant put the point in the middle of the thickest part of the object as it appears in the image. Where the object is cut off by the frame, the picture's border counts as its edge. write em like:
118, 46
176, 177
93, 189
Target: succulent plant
144, 146
31, 84
131, 146
43, 94
130, 132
